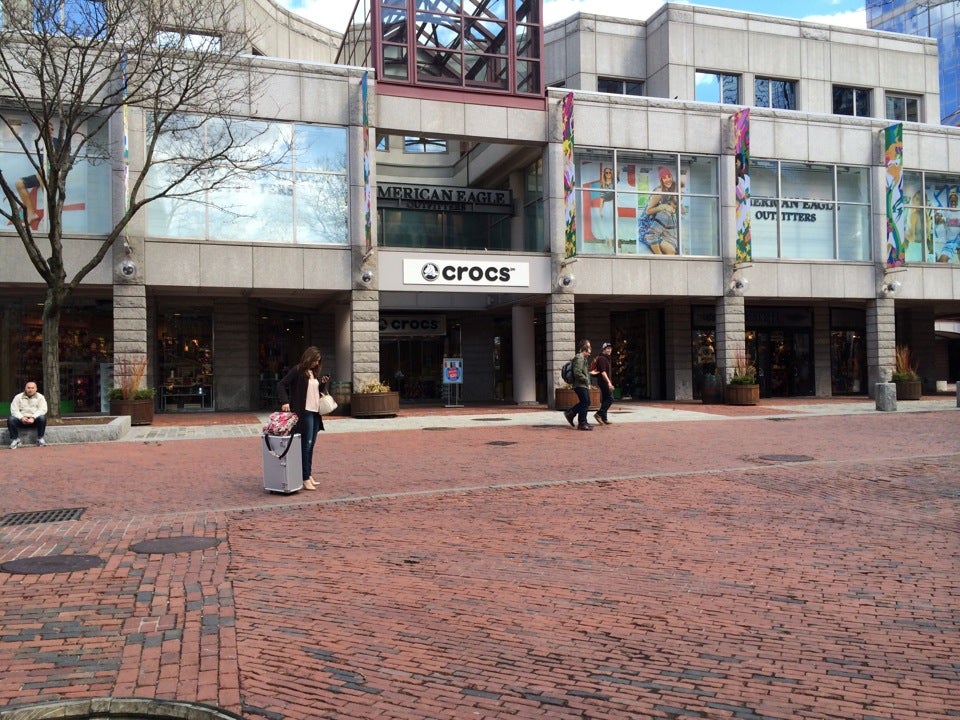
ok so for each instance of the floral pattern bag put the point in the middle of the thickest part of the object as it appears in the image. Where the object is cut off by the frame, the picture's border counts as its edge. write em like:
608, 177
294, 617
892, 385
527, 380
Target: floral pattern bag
280, 423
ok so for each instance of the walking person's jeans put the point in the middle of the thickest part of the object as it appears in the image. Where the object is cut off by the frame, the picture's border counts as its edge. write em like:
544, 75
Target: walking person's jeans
606, 400
309, 427
581, 408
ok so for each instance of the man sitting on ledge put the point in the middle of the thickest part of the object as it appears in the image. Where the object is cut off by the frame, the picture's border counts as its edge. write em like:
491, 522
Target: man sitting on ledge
27, 410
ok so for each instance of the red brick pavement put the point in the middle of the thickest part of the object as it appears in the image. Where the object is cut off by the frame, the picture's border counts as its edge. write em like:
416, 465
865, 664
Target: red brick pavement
642, 570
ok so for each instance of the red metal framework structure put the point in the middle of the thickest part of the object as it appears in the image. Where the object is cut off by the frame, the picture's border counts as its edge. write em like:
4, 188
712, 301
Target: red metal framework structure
493, 47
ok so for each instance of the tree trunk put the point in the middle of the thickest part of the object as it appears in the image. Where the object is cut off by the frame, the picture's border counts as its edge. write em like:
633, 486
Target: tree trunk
51, 354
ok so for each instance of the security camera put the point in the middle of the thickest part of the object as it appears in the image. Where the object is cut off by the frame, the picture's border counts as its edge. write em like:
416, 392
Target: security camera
366, 276
566, 281
128, 268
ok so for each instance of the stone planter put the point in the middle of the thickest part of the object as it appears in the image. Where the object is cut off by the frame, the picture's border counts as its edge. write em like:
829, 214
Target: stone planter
140, 411
367, 405
743, 394
908, 389
566, 398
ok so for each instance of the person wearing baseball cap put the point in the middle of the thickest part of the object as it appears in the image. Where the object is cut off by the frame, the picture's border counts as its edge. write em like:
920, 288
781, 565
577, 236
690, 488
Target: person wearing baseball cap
603, 369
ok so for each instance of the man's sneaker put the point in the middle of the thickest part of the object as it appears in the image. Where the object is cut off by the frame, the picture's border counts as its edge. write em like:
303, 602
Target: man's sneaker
14, 444
600, 420
41, 442
584, 426
569, 417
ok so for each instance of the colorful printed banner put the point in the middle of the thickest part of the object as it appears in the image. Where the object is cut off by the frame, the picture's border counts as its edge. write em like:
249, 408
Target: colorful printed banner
569, 177
741, 149
367, 190
893, 160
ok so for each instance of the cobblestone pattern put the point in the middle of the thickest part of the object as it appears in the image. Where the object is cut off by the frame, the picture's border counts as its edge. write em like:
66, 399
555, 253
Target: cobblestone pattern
656, 570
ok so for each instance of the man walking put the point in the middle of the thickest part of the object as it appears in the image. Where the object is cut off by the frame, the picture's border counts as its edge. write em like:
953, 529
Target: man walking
603, 369
581, 386
27, 410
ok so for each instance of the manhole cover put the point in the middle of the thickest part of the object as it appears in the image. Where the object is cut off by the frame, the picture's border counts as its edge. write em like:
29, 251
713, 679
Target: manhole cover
786, 458
491, 419
44, 564
41, 516
501, 443
184, 543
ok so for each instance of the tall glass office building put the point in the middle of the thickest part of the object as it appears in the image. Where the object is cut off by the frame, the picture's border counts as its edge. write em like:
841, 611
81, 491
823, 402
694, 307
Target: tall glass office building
938, 19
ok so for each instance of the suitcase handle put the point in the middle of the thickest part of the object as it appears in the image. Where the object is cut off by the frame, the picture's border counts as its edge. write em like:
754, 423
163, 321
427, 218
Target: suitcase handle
281, 456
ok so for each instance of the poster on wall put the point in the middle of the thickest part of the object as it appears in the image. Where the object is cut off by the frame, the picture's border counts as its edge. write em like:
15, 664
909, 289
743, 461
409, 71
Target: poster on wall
893, 161
569, 178
741, 149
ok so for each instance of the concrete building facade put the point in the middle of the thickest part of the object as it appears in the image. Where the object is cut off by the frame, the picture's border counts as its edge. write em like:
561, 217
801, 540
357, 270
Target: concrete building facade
447, 211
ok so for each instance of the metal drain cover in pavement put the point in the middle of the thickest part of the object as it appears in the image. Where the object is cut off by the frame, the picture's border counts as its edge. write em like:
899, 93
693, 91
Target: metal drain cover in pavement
41, 516
786, 458
183, 543
44, 564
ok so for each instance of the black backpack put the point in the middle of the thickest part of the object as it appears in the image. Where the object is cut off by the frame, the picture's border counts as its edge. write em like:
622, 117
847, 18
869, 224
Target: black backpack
566, 372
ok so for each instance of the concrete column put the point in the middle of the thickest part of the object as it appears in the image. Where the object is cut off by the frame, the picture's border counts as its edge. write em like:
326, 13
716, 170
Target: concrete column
130, 326
731, 333
561, 338
679, 334
365, 336
524, 360
821, 351
341, 343
881, 342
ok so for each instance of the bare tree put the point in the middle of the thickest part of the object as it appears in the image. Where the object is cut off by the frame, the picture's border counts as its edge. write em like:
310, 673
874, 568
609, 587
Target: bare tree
74, 69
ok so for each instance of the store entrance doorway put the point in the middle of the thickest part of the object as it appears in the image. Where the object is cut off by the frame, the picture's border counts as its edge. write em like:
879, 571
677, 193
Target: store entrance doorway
784, 360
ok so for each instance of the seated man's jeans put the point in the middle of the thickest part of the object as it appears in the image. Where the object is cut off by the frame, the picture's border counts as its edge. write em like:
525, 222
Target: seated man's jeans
14, 425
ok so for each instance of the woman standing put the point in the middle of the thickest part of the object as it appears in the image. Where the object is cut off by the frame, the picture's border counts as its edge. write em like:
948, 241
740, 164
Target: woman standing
299, 391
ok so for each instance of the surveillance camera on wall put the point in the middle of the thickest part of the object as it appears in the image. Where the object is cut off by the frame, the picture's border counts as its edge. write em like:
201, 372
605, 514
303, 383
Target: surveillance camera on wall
366, 277
566, 281
128, 268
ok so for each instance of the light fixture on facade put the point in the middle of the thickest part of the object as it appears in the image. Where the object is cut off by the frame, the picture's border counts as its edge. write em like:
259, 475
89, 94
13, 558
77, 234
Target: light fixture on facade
889, 288
738, 285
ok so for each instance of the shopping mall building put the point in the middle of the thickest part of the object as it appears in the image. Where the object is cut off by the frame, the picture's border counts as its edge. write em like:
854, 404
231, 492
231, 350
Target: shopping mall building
473, 185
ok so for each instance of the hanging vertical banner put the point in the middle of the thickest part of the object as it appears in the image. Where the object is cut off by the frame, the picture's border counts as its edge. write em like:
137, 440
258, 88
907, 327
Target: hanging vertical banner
569, 177
741, 151
126, 136
367, 194
893, 161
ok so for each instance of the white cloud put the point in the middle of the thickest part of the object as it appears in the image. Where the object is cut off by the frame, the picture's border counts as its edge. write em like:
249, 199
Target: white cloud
850, 18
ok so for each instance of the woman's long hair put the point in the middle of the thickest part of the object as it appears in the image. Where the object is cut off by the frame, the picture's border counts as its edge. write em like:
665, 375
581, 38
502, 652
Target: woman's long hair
311, 356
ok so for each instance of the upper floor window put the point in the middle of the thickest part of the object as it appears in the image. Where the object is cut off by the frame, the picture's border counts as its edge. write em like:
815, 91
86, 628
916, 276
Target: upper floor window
414, 144
851, 101
640, 204
617, 86
80, 18
383, 143
809, 211
717, 88
777, 94
195, 41
298, 196
903, 108
932, 227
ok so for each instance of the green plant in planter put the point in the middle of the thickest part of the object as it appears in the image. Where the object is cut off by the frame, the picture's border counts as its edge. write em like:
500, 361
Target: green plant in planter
375, 386
129, 373
906, 367
744, 371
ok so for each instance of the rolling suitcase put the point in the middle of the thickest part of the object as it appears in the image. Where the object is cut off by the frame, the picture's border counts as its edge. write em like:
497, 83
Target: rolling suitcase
282, 464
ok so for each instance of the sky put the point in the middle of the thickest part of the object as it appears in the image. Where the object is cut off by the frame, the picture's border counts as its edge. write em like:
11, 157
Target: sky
335, 14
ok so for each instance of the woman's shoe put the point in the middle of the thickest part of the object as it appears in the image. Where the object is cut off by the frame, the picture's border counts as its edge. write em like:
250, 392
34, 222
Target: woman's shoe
309, 484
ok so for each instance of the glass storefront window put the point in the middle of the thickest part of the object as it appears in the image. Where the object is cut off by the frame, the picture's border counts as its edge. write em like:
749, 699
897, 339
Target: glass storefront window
299, 194
185, 359
647, 204
810, 211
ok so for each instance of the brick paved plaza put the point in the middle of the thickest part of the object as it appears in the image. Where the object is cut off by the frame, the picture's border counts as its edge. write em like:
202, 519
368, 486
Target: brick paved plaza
786, 566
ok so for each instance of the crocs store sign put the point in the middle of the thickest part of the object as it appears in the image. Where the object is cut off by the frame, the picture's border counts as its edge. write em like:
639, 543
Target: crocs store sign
465, 273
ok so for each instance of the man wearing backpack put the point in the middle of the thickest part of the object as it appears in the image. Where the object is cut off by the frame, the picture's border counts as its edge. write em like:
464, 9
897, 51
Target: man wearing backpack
581, 386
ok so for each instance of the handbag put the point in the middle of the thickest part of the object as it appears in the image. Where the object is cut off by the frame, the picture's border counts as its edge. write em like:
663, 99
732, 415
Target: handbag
327, 404
280, 423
